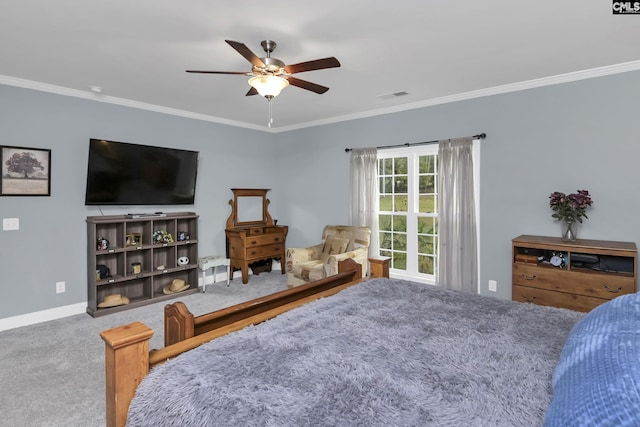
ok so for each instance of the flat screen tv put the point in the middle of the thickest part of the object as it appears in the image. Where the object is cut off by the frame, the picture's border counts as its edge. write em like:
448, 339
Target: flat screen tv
120, 173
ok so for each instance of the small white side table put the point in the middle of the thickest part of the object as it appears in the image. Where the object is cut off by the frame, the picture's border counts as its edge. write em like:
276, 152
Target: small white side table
213, 261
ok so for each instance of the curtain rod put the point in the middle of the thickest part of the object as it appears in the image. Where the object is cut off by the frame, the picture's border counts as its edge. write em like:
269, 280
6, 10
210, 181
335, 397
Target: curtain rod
409, 144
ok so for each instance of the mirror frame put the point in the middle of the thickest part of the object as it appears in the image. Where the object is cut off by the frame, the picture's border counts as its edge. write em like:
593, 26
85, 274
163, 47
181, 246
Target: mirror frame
232, 221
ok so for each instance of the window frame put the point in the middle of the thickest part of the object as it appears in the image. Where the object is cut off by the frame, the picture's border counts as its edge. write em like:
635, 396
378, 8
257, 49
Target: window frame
416, 151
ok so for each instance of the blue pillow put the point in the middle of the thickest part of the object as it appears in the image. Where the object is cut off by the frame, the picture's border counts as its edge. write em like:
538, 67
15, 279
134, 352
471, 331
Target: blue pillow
597, 379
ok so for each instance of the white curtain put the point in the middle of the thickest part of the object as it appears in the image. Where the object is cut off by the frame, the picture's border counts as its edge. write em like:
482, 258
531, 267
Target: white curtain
457, 268
364, 190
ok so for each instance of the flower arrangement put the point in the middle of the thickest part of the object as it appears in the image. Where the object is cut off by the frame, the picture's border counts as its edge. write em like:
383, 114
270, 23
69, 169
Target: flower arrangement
570, 208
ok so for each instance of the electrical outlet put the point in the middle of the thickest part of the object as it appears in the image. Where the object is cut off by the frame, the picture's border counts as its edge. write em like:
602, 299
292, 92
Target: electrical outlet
493, 285
60, 287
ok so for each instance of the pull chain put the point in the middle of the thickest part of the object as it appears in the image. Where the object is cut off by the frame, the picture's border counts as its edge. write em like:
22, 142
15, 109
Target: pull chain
269, 98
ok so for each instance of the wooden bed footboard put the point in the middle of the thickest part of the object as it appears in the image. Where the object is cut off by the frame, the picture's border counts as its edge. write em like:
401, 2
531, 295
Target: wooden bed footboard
127, 356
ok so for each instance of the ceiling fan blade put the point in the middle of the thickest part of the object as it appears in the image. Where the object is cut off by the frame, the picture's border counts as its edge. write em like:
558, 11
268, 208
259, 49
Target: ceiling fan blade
219, 72
318, 64
307, 85
252, 91
246, 52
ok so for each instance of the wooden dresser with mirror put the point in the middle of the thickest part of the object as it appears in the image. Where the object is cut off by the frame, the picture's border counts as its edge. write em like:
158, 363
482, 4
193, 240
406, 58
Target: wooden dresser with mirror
251, 234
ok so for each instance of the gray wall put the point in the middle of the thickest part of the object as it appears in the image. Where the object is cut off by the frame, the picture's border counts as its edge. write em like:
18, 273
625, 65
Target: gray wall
557, 138
51, 244
579, 135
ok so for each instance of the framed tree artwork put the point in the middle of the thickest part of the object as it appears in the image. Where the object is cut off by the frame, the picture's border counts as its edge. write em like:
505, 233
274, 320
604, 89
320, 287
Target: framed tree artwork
25, 171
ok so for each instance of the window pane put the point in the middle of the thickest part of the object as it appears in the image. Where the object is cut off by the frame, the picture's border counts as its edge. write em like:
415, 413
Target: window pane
400, 204
401, 183
427, 164
399, 242
399, 260
426, 265
427, 184
427, 204
386, 204
426, 245
385, 241
400, 223
386, 185
384, 222
426, 225
400, 165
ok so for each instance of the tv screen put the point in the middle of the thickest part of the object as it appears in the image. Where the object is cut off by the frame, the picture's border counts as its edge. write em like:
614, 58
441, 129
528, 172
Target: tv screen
120, 173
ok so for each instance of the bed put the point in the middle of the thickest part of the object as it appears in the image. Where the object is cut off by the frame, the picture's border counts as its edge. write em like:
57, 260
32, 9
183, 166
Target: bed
386, 352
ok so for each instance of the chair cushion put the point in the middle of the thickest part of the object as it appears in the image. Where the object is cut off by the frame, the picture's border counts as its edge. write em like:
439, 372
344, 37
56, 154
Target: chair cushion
335, 245
309, 271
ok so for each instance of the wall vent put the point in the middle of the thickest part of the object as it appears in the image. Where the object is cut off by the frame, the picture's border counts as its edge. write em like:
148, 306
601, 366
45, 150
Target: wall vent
393, 95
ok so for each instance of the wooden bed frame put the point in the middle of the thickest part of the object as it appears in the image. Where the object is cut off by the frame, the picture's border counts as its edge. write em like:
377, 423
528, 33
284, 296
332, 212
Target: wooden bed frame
127, 356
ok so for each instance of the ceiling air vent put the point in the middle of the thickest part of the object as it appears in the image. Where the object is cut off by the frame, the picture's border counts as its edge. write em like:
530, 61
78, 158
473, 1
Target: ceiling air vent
393, 95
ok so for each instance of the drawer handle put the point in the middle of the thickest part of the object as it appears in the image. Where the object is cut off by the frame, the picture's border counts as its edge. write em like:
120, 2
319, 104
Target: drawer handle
525, 277
277, 239
253, 242
608, 288
527, 299
253, 253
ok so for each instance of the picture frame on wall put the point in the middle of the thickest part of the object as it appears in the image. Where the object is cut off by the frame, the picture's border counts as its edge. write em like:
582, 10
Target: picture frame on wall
25, 171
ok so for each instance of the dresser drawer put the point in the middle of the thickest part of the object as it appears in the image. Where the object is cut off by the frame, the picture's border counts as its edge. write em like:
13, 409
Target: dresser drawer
270, 251
539, 277
606, 286
264, 239
555, 299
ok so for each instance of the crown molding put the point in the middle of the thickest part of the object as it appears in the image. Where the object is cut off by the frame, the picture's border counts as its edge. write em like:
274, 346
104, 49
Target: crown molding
497, 90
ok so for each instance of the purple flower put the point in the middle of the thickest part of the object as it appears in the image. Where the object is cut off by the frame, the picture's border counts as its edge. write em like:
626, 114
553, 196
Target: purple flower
570, 207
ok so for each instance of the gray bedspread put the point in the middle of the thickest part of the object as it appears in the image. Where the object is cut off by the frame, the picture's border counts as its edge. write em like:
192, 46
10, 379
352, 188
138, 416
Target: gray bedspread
381, 353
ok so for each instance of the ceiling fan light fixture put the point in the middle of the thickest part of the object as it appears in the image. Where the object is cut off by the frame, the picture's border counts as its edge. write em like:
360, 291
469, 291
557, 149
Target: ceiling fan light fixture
268, 86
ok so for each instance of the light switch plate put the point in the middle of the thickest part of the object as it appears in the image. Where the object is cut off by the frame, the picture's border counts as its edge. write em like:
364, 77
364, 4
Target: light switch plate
9, 224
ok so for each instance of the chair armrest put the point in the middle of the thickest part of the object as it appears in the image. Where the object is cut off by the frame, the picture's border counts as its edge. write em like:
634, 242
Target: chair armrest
359, 255
298, 255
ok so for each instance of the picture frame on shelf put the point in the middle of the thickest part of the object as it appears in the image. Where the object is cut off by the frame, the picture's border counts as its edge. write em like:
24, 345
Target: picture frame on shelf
134, 239
25, 171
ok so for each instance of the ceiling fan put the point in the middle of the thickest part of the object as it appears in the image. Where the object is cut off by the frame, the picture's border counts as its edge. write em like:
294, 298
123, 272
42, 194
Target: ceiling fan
270, 75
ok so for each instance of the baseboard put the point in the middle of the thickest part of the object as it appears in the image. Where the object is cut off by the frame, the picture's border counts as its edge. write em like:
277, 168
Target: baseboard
42, 316
79, 308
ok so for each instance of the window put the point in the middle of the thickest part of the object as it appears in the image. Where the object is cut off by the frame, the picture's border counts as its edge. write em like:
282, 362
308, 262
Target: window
408, 210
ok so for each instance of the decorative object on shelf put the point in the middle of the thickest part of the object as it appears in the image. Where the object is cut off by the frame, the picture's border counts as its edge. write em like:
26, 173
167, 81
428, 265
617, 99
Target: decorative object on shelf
113, 301
570, 209
183, 260
102, 244
136, 268
161, 236
103, 271
134, 239
176, 285
182, 236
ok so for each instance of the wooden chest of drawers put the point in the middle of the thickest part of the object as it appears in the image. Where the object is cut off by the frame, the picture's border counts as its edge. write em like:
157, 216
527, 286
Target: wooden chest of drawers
590, 272
252, 244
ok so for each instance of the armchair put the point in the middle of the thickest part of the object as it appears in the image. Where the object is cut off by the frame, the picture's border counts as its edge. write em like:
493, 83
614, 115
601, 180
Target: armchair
339, 242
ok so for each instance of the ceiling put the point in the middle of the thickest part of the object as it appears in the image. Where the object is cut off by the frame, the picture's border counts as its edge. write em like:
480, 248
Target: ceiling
138, 51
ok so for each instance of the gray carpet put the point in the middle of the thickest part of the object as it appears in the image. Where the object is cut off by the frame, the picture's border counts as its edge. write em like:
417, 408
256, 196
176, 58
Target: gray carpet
52, 374
382, 353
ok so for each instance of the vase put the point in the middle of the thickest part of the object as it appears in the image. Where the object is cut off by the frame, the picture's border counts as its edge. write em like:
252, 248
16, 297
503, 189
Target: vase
569, 231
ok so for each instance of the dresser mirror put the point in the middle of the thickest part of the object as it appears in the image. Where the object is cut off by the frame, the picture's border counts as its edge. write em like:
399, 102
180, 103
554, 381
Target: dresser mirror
249, 207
